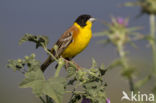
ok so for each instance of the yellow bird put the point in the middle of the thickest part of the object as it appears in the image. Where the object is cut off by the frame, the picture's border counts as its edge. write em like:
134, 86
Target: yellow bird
73, 41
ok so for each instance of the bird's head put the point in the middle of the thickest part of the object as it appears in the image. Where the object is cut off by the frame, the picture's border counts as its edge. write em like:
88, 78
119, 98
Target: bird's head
85, 20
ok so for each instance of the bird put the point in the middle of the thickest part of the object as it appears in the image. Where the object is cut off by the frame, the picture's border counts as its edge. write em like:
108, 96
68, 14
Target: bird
73, 41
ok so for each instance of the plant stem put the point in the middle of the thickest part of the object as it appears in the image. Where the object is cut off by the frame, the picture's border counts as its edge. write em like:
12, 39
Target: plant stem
122, 55
131, 84
60, 65
45, 48
153, 43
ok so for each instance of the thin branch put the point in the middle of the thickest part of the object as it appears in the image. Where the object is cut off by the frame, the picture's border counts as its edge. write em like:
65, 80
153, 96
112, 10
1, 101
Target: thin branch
153, 44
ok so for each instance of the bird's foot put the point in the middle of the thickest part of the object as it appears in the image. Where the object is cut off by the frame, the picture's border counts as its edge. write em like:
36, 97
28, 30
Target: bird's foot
68, 63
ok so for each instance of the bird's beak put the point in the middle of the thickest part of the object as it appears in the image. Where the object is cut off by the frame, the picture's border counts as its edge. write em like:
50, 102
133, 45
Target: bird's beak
92, 20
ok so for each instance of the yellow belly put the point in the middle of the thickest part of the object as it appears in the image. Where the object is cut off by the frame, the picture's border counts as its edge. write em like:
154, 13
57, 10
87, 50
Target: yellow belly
78, 44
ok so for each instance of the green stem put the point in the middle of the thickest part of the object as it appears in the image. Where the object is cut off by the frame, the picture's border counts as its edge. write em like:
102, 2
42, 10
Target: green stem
131, 83
45, 48
122, 55
60, 65
153, 44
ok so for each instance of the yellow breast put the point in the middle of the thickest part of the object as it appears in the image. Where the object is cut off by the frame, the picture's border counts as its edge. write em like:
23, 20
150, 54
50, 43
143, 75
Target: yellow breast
80, 41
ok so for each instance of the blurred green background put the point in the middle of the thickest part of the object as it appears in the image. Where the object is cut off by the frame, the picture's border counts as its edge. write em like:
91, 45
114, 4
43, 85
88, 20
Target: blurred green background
52, 18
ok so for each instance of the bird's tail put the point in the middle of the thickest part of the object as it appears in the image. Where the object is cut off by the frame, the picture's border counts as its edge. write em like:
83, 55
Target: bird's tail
47, 62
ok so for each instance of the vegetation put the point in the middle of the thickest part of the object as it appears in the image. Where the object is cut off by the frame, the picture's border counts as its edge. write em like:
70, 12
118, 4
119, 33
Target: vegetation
88, 85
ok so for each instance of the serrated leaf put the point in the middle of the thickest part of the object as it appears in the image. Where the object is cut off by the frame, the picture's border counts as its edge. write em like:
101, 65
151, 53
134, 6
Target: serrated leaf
34, 80
39, 40
54, 88
30, 77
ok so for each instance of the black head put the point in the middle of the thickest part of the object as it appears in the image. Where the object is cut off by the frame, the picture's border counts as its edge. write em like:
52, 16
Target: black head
82, 19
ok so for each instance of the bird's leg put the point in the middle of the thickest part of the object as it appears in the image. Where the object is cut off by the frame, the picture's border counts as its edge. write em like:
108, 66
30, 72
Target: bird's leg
68, 62
77, 66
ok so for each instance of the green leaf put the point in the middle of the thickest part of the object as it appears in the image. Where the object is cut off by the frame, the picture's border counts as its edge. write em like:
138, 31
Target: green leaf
30, 77
16, 64
39, 40
34, 80
99, 34
96, 92
75, 98
54, 87
20, 64
92, 85
102, 69
32, 63
71, 71
94, 64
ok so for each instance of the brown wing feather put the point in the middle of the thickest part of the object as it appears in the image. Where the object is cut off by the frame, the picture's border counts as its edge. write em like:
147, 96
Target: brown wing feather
66, 39
63, 42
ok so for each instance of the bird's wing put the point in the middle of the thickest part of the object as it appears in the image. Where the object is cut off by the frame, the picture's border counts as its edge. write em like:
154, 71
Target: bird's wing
65, 40
62, 44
